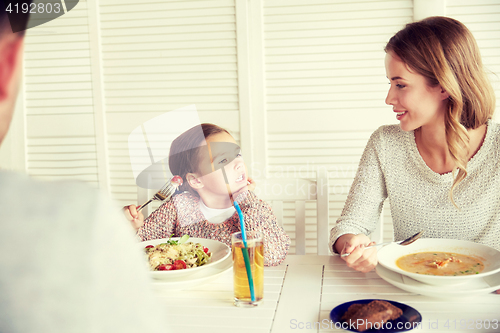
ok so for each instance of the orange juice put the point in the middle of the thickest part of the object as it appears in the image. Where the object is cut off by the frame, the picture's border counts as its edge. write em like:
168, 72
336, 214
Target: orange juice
255, 249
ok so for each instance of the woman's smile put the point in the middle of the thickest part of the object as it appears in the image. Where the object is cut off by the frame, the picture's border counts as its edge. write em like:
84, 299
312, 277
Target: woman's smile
400, 114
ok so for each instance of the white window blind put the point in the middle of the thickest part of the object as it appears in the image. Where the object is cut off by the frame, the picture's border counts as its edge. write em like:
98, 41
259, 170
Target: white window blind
482, 17
324, 82
155, 57
160, 56
326, 88
58, 99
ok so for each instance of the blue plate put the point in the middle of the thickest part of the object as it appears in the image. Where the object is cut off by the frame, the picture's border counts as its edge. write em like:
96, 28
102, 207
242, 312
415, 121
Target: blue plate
409, 320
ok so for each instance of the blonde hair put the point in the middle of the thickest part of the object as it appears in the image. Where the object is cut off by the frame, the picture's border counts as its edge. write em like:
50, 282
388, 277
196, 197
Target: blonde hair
444, 51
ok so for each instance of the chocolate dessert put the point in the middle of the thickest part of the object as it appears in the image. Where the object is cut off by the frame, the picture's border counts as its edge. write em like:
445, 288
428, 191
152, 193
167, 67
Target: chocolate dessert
372, 315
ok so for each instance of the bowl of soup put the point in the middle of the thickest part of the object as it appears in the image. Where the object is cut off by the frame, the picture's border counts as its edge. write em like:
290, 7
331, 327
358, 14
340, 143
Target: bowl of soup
441, 261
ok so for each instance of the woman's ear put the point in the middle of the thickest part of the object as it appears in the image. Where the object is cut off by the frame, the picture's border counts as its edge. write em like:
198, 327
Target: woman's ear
444, 94
194, 181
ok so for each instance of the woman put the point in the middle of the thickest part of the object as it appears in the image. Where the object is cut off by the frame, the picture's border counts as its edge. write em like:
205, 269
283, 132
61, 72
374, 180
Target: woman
439, 167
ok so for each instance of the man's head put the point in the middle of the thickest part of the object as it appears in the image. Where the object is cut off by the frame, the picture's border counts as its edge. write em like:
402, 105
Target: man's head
11, 45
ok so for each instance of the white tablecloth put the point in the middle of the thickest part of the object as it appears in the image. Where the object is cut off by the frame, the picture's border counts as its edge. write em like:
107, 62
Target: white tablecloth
299, 295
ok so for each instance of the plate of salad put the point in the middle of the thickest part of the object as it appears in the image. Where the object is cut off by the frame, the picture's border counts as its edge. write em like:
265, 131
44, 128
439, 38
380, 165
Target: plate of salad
180, 256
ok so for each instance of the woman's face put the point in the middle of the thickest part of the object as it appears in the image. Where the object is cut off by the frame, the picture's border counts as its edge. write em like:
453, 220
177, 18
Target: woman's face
222, 156
415, 103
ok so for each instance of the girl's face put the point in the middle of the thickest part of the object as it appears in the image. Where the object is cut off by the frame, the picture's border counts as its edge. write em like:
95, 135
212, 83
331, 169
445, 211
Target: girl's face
415, 103
222, 156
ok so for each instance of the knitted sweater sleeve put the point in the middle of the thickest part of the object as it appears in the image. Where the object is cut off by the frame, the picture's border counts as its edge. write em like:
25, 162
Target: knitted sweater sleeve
260, 217
160, 223
363, 206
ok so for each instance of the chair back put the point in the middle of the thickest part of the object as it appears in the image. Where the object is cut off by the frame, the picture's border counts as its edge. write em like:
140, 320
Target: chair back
292, 195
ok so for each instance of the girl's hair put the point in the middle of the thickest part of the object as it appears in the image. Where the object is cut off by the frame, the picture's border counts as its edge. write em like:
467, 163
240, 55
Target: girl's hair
184, 156
444, 51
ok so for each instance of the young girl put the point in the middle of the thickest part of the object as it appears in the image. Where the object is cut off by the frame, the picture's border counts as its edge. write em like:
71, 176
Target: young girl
212, 169
444, 102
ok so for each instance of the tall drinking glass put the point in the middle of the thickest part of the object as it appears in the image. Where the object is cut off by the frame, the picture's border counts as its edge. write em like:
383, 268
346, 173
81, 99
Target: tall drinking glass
255, 247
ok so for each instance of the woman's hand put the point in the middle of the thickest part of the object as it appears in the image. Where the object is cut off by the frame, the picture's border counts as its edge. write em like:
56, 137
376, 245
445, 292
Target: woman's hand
359, 259
136, 218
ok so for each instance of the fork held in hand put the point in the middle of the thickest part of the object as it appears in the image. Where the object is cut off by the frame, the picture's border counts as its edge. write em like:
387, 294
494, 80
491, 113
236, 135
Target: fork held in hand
163, 194
407, 241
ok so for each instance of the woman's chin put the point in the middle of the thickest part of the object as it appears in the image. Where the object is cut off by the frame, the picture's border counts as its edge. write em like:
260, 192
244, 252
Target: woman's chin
406, 127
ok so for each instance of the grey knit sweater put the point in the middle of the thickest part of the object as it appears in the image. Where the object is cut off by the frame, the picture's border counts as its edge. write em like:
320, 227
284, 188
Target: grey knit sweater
391, 167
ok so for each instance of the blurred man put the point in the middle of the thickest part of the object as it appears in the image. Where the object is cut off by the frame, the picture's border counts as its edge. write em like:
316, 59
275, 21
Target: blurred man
68, 258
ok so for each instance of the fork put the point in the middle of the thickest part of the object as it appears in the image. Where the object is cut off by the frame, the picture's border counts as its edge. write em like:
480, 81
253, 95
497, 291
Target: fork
407, 241
163, 194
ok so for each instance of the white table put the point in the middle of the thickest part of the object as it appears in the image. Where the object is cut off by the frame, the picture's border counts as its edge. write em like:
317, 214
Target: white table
299, 295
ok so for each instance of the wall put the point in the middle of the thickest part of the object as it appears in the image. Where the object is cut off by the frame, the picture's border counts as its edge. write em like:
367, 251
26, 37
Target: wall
300, 83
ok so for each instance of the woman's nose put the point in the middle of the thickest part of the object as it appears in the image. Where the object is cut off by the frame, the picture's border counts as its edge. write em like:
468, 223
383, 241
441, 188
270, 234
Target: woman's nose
389, 100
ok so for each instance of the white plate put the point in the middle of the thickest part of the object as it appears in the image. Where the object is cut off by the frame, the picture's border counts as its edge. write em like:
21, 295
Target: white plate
194, 280
220, 252
469, 288
490, 257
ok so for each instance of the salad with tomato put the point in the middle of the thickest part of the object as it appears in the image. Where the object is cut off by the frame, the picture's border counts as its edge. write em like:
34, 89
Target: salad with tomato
177, 254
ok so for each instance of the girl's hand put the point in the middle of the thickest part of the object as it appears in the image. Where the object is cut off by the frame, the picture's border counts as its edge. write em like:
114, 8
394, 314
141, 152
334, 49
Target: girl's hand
136, 218
359, 259
251, 184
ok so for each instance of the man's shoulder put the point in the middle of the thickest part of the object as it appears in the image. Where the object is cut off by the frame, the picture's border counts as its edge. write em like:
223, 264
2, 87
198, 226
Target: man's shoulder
36, 202
16, 186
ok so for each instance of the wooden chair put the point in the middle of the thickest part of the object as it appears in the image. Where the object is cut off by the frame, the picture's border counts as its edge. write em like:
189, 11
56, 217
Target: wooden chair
276, 191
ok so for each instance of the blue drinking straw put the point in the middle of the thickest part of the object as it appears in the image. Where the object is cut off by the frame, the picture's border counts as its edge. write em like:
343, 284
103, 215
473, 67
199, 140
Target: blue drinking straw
245, 251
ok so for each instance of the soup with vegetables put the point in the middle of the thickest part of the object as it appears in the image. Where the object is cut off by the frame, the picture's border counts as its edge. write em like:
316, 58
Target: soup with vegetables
440, 263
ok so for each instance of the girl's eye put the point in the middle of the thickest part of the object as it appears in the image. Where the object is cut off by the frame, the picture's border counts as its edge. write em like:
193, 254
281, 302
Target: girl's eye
223, 161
